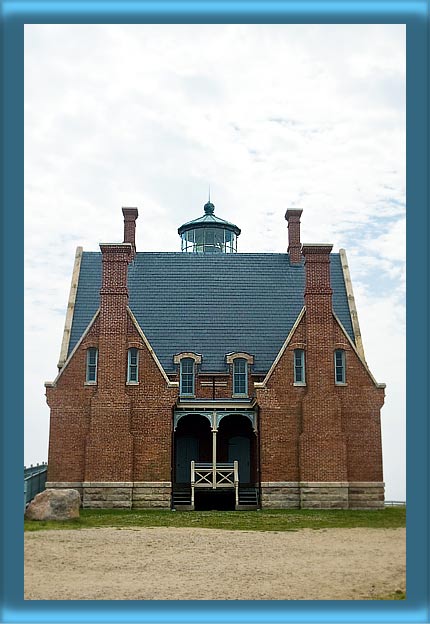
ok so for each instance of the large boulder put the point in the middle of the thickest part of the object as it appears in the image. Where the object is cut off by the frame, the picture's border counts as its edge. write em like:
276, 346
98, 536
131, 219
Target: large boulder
54, 505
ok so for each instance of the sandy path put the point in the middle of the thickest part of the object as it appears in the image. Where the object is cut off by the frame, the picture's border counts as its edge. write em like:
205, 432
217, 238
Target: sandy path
191, 564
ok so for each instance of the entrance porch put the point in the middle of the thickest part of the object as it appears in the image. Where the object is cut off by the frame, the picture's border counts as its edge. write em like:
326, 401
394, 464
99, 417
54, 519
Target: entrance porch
215, 463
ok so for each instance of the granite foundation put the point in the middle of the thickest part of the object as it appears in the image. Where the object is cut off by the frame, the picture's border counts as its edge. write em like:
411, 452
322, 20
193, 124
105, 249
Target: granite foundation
322, 495
124, 495
274, 495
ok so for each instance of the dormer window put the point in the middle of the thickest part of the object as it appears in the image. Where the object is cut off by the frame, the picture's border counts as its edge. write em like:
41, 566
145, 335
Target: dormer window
187, 377
240, 363
240, 376
187, 361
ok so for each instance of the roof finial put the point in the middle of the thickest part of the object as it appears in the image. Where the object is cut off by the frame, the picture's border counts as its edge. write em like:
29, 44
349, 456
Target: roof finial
209, 207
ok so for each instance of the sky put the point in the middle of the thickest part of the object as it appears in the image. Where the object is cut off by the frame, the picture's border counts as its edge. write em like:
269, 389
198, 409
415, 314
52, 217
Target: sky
270, 116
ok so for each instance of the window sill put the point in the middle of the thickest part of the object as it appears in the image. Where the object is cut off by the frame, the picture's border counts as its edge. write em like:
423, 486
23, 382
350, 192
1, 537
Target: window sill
340, 383
239, 396
131, 383
90, 383
299, 384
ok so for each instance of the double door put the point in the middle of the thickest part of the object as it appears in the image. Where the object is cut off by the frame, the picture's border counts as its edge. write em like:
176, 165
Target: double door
187, 450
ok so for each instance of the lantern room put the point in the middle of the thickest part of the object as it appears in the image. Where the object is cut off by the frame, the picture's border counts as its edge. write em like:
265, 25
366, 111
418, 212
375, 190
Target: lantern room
209, 234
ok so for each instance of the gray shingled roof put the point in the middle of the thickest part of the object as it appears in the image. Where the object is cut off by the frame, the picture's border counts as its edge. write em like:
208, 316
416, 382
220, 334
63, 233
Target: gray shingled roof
212, 304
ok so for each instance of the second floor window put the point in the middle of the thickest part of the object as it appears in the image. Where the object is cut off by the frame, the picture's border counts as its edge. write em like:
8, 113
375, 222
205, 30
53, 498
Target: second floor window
92, 356
240, 376
133, 365
339, 366
299, 366
187, 377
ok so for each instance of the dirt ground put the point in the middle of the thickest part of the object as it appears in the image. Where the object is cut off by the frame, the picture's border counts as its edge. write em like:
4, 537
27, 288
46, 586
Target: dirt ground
206, 564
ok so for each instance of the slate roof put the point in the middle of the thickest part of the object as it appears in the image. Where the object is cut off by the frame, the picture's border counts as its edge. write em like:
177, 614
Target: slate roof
212, 304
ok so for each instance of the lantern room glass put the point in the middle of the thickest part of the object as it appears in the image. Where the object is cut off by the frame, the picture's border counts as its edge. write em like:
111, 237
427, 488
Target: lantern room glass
209, 240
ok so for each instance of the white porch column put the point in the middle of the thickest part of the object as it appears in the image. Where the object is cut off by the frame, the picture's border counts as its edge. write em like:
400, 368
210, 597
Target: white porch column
214, 432
193, 480
236, 482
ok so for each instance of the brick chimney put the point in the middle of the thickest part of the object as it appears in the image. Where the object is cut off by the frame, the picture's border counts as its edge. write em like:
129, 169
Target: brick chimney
317, 270
109, 425
113, 312
319, 312
130, 216
322, 441
293, 218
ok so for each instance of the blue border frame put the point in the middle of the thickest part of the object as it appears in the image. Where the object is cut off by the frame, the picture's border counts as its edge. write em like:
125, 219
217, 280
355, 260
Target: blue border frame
414, 14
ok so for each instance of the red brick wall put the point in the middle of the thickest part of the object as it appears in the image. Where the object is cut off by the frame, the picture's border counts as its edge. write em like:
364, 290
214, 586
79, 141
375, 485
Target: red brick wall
152, 403
361, 402
149, 406
125, 435
114, 431
70, 403
320, 432
127, 429
280, 417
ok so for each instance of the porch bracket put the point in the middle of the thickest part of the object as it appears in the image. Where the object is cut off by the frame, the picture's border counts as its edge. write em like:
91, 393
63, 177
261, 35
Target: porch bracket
178, 415
250, 415
215, 417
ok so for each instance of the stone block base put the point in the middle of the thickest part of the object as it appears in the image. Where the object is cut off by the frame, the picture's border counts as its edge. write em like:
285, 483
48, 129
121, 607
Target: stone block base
280, 495
324, 495
126, 495
107, 495
152, 495
364, 495
321, 495
274, 495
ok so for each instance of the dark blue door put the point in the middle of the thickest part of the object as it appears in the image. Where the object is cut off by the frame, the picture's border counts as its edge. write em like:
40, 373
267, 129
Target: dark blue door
187, 449
239, 449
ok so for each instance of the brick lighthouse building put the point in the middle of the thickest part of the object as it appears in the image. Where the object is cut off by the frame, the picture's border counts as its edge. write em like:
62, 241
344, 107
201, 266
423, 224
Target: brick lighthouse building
210, 379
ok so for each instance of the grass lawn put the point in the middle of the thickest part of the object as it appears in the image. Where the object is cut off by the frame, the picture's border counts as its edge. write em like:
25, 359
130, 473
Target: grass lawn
397, 595
263, 520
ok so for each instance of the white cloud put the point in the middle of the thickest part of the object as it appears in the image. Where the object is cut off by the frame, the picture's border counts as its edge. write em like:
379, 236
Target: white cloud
272, 116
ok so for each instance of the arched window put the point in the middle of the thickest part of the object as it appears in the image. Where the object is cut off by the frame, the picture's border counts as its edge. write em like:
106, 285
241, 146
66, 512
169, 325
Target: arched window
299, 367
187, 377
133, 365
91, 372
240, 376
339, 367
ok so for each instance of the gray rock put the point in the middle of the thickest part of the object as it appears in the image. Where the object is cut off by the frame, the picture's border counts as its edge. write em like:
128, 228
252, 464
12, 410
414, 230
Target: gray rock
53, 504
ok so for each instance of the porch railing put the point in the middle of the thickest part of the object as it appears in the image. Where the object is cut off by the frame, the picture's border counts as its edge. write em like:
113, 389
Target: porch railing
219, 475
